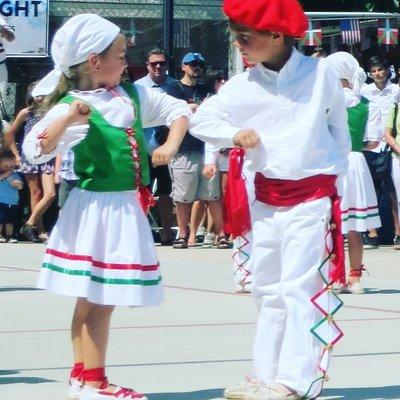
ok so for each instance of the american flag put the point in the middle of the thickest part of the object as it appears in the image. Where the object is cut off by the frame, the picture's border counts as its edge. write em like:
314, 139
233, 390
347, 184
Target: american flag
350, 31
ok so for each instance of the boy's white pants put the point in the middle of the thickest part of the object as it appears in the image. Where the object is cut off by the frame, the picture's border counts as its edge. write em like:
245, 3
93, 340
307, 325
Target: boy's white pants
288, 248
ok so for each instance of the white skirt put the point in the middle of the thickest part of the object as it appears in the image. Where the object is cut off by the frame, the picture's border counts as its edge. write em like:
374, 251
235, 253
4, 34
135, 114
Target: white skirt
359, 205
102, 249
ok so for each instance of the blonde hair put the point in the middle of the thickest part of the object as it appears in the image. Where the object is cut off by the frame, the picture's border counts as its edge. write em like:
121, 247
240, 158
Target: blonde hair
79, 77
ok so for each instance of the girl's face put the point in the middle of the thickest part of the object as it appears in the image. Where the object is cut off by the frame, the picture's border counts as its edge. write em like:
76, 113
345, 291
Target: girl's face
109, 68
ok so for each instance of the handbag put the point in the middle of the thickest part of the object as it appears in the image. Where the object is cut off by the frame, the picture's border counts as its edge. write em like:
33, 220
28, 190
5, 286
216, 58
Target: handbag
382, 164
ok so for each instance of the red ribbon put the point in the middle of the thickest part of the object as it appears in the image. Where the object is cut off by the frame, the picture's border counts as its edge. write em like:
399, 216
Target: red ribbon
145, 198
236, 204
286, 193
94, 375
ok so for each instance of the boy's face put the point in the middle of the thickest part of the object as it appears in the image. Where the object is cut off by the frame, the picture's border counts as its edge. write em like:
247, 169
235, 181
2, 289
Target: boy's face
7, 165
258, 46
379, 73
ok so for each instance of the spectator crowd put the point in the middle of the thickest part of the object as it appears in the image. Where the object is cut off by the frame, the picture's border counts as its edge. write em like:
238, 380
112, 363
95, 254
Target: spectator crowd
189, 191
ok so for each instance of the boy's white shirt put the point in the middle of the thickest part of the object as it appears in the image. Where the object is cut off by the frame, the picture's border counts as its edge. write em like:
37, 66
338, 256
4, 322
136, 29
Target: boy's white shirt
380, 103
211, 154
299, 114
117, 109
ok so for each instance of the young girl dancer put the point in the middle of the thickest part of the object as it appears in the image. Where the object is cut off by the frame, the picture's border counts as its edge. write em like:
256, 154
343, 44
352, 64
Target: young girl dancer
101, 249
359, 204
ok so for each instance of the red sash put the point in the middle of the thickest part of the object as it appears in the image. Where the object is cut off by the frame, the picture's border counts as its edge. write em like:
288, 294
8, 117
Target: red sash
280, 192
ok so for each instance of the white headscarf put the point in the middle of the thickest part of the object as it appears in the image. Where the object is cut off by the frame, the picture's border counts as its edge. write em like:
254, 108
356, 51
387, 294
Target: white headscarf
347, 67
73, 43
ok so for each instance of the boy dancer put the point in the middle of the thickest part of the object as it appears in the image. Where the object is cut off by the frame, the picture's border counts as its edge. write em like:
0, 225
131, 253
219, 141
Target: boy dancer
288, 112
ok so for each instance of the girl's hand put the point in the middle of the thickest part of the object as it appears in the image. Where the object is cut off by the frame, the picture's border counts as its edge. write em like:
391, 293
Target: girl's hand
163, 154
209, 170
78, 113
246, 138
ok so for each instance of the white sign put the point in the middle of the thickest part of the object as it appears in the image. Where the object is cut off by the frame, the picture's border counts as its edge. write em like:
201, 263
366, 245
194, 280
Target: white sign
29, 19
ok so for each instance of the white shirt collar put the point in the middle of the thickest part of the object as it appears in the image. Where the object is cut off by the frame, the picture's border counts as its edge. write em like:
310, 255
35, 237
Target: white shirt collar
288, 69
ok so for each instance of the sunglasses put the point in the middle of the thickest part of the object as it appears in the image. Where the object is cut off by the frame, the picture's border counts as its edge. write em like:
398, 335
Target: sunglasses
155, 63
196, 64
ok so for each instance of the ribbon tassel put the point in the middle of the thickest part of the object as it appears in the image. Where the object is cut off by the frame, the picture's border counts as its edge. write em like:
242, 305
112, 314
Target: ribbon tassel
236, 204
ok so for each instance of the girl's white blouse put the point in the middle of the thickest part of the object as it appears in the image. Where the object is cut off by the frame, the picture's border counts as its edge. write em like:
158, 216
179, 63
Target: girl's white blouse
116, 107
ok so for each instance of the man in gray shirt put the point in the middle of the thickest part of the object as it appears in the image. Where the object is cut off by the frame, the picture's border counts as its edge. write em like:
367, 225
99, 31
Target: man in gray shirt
158, 79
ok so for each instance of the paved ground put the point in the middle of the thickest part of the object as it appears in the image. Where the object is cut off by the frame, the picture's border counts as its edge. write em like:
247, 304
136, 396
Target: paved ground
198, 342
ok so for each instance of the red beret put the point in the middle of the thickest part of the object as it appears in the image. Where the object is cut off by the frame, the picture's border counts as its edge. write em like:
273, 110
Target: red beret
284, 16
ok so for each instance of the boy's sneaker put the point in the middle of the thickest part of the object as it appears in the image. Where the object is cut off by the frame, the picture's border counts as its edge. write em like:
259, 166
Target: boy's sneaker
208, 240
397, 242
30, 233
353, 288
371, 243
255, 390
12, 239
75, 389
243, 288
90, 393
3, 239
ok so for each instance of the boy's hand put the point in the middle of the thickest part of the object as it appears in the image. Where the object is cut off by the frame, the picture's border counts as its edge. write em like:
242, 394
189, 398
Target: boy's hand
78, 113
163, 154
246, 138
209, 170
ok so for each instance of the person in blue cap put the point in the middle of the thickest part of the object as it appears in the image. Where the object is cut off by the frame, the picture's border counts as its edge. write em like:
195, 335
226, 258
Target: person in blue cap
188, 182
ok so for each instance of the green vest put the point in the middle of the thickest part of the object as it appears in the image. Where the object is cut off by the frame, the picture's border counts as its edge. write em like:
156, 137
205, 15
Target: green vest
103, 160
357, 119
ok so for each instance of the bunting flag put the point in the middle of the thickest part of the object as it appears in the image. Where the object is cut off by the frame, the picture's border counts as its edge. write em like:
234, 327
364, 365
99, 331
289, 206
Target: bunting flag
313, 36
387, 31
350, 31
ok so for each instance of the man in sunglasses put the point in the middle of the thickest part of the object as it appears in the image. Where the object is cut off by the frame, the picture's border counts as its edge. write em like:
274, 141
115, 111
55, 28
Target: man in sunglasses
158, 79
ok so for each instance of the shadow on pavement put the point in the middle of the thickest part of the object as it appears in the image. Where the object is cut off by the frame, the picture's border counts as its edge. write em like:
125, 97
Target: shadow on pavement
372, 393
381, 291
8, 371
197, 395
9, 380
18, 289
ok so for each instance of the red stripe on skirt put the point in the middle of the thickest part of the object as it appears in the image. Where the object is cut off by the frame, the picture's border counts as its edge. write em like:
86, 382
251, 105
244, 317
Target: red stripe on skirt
100, 264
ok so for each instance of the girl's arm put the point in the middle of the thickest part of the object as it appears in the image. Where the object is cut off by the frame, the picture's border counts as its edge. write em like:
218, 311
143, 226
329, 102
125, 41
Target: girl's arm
9, 137
63, 127
163, 154
77, 115
57, 166
391, 141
